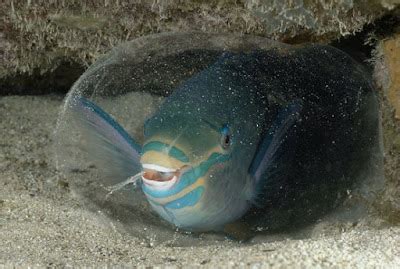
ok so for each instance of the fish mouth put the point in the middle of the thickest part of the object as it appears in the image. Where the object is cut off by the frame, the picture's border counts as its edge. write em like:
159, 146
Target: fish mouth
157, 176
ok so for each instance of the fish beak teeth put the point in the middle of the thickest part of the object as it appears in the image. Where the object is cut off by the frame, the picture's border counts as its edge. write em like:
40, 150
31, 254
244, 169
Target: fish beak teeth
158, 168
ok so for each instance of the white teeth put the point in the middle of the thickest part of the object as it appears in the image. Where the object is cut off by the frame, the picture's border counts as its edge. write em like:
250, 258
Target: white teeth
160, 185
158, 168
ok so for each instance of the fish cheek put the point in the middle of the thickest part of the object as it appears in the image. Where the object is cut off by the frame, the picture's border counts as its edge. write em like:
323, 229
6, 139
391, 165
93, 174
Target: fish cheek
218, 175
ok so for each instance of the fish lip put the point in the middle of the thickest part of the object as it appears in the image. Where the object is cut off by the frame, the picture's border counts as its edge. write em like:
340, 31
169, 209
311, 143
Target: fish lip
158, 168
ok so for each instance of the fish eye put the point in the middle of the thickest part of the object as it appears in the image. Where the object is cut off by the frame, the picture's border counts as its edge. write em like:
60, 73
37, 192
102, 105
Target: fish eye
226, 138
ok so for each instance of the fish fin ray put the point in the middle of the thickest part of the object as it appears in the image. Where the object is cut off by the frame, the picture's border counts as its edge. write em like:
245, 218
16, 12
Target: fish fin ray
110, 147
267, 167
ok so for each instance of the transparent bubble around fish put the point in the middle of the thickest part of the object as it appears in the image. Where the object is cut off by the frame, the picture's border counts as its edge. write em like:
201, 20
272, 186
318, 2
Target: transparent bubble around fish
130, 83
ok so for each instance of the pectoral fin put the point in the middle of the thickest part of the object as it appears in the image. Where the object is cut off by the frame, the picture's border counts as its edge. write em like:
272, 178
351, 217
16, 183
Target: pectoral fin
269, 162
109, 146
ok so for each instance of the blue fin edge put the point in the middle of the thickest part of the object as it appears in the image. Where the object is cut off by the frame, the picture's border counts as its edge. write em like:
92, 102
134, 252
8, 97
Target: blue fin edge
104, 115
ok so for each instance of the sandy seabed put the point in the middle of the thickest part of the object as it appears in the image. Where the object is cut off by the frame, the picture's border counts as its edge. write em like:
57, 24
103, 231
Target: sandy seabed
45, 222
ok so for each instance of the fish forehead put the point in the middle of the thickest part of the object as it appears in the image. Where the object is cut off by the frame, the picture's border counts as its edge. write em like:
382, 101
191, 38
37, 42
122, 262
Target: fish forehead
228, 89
192, 117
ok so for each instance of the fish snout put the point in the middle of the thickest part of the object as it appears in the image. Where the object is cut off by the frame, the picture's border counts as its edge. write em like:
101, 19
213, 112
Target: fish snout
163, 164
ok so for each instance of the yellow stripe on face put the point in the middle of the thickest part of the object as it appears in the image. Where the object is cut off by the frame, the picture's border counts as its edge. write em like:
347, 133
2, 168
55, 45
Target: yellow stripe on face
163, 159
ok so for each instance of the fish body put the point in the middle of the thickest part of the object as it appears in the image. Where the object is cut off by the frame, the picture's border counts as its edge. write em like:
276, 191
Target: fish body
252, 131
215, 189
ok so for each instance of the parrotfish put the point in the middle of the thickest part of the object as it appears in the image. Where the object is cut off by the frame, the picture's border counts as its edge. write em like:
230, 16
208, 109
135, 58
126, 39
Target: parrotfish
252, 131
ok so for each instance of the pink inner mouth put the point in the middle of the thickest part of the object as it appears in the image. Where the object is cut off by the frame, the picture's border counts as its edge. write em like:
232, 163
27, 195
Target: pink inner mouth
159, 176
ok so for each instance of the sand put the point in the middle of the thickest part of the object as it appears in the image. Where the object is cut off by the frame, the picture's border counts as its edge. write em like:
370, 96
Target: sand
46, 221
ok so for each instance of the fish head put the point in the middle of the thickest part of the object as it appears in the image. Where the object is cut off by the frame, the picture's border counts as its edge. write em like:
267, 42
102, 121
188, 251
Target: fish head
175, 146
189, 174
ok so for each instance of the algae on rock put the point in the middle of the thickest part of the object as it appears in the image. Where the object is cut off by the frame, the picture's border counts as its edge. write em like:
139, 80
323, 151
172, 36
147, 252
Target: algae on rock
38, 36
387, 68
